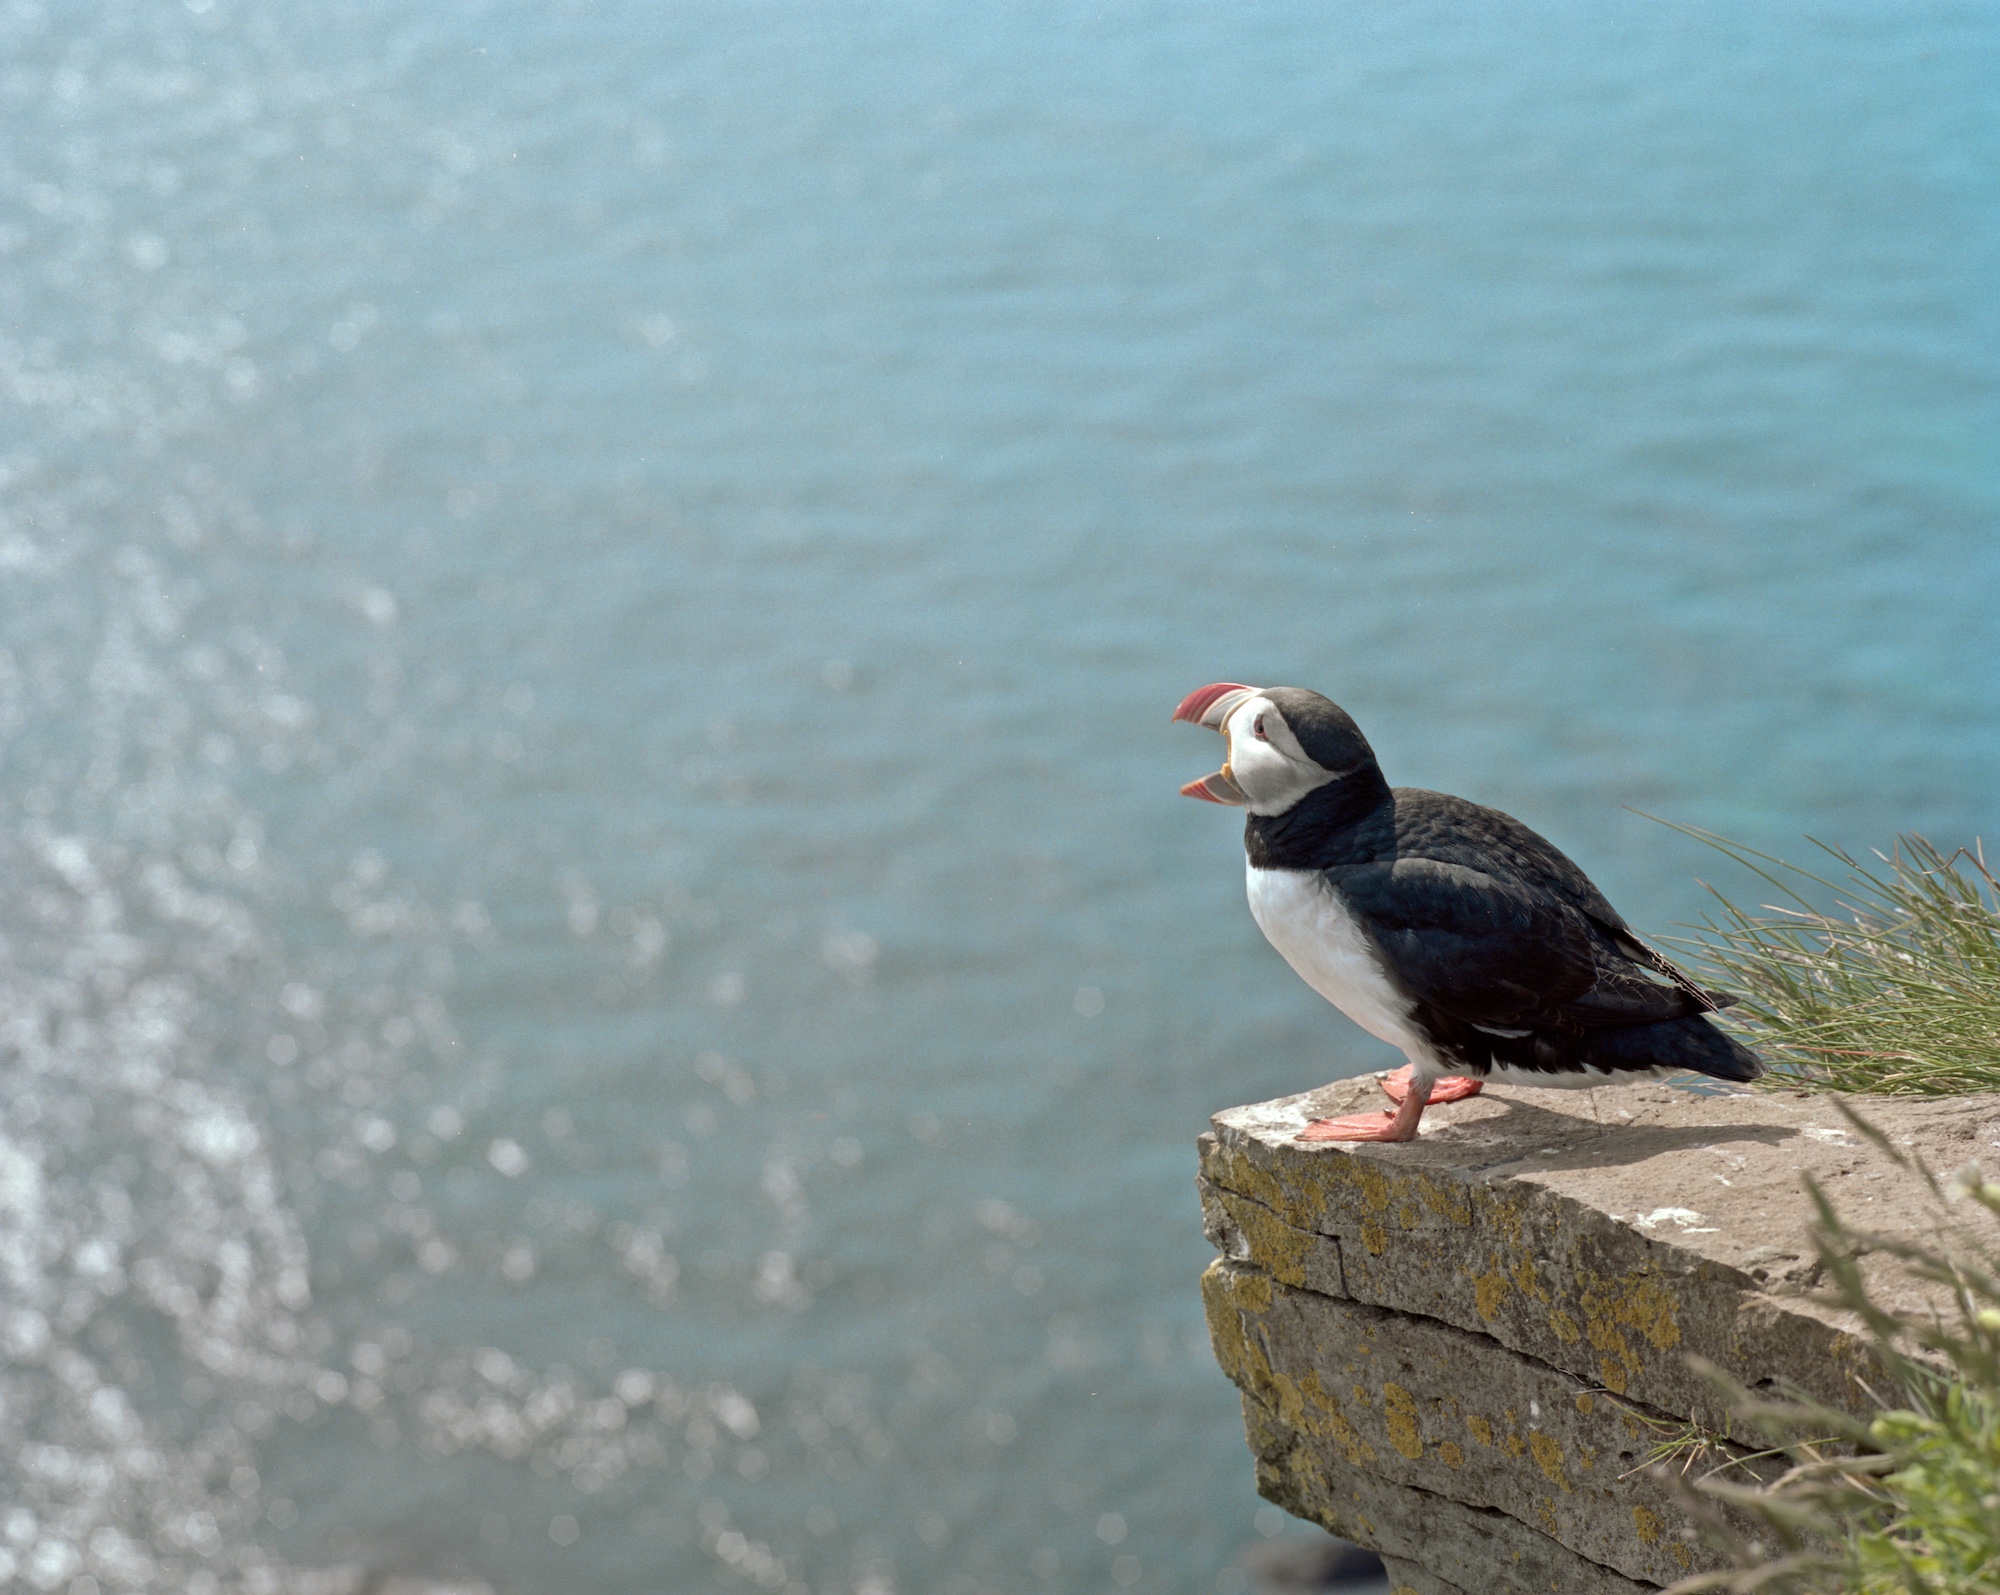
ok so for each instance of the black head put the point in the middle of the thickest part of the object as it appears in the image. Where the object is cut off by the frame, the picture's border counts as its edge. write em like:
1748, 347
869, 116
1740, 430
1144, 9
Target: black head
1325, 733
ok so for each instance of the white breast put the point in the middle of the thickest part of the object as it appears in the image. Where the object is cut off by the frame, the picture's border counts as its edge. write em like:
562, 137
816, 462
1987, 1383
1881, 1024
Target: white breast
1306, 921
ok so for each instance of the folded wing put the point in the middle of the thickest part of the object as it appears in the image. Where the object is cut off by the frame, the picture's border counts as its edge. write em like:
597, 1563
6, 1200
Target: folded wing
1503, 956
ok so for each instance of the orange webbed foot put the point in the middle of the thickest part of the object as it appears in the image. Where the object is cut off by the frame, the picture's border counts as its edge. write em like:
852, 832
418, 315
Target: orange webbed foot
1361, 1127
1452, 1088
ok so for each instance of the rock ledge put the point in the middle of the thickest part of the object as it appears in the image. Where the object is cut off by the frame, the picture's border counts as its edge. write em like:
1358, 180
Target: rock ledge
1462, 1352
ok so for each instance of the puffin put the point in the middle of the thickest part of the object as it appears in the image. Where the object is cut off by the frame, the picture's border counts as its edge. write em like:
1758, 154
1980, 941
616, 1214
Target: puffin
1445, 928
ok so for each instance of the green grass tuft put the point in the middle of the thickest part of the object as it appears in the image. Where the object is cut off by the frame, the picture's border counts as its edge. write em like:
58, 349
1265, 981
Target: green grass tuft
1893, 989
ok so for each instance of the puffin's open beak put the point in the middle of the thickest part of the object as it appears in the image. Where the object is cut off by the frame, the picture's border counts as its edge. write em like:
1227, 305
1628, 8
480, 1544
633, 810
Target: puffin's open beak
1220, 787
1212, 706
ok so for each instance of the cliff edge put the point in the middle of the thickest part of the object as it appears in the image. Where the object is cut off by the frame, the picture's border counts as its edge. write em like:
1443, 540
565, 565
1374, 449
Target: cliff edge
1467, 1352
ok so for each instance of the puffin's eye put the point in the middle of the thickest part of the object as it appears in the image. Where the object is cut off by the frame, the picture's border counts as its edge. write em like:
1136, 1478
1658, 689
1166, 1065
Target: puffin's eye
1257, 730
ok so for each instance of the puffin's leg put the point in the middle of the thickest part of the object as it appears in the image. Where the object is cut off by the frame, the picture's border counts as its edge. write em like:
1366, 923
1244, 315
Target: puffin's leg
1452, 1088
1398, 1126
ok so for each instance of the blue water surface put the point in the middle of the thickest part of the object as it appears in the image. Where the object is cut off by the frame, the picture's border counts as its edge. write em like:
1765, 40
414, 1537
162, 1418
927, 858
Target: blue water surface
605, 985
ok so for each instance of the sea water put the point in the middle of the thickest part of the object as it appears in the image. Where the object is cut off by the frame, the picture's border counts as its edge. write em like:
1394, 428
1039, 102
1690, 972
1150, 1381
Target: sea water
605, 987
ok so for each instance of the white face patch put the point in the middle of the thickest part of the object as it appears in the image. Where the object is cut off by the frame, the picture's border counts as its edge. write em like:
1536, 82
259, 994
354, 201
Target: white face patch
1265, 759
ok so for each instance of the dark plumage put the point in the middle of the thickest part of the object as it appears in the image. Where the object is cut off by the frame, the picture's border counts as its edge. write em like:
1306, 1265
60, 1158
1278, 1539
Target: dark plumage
1487, 927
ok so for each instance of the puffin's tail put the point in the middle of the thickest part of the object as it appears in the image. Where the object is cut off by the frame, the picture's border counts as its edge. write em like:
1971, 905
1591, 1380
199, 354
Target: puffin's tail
1689, 1043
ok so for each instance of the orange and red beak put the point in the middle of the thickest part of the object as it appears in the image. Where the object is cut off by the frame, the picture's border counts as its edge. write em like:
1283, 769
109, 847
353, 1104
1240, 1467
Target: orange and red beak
1220, 787
1212, 706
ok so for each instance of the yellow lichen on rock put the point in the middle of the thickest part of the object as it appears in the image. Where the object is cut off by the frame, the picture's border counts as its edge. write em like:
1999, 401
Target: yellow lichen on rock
1549, 1458
1370, 1181
1234, 1296
1332, 1423
1503, 1214
1640, 1303
1244, 1289
1446, 1198
1278, 1248
1650, 1306
1399, 1416
1234, 1171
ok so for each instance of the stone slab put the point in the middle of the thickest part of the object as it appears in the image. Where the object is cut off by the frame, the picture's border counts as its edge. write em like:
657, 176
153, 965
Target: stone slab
1607, 1233
1245, 1231
1455, 1414
1458, 1547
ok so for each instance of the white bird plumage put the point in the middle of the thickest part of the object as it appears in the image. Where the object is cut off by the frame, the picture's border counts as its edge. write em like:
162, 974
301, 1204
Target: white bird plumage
1314, 933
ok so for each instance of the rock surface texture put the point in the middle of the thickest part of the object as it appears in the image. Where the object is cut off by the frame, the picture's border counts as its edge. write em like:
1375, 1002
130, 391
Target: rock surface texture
1466, 1352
